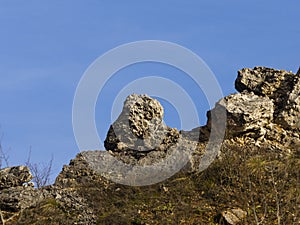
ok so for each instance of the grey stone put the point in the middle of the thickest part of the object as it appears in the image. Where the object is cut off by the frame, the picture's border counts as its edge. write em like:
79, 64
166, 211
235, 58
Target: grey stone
139, 135
289, 117
265, 82
17, 198
233, 216
139, 127
247, 114
14, 176
281, 86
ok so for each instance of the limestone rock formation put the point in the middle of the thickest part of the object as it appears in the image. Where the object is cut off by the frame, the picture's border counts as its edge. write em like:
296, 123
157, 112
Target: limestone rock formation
282, 87
262, 118
140, 127
139, 135
14, 176
276, 84
16, 192
247, 114
266, 110
18, 198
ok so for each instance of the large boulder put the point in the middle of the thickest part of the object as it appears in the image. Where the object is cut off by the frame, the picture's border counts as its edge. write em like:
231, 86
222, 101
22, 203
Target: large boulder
281, 86
139, 127
289, 117
276, 84
140, 131
247, 114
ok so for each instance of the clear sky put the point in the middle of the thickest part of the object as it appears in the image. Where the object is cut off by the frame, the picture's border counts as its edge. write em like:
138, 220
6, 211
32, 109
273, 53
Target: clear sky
45, 47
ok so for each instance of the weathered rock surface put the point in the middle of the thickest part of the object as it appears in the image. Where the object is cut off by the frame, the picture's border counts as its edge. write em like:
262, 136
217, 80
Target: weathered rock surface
264, 113
139, 135
266, 110
281, 86
289, 117
14, 176
17, 198
16, 192
276, 84
247, 114
232, 216
140, 127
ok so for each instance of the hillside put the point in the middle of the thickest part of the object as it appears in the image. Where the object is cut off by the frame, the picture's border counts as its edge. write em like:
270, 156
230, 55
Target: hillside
242, 167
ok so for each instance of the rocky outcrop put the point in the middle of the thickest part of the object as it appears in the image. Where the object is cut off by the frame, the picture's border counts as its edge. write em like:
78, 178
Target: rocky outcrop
140, 128
14, 176
282, 87
18, 198
16, 192
247, 114
265, 112
140, 137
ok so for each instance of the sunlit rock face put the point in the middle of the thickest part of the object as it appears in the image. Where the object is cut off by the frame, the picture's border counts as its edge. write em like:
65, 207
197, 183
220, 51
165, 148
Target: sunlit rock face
281, 86
139, 133
266, 110
248, 114
139, 127
263, 116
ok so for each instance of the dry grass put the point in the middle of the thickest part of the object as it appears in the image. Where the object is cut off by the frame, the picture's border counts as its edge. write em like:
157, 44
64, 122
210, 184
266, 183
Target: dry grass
260, 181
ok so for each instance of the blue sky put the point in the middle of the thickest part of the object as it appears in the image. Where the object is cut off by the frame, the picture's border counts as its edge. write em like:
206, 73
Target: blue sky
45, 47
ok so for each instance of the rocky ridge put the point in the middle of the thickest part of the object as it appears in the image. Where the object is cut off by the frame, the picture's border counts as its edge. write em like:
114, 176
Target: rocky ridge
264, 114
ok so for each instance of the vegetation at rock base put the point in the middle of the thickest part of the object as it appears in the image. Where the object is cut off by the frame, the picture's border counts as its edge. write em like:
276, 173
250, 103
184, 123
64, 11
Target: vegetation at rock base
258, 180
254, 180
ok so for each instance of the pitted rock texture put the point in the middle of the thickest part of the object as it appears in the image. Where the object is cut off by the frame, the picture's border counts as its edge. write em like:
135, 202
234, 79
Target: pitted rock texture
276, 84
139, 135
17, 198
145, 115
266, 110
139, 127
263, 118
290, 115
14, 176
247, 114
281, 86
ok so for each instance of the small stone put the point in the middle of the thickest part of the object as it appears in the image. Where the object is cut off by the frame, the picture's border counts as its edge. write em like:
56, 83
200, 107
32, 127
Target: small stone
233, 216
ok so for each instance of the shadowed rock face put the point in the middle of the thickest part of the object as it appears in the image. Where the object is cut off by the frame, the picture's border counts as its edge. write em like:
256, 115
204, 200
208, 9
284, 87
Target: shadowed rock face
15, 191
14, 176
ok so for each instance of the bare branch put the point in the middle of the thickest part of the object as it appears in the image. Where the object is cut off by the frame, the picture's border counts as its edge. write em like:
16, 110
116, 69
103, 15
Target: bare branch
41, 172
4, 158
